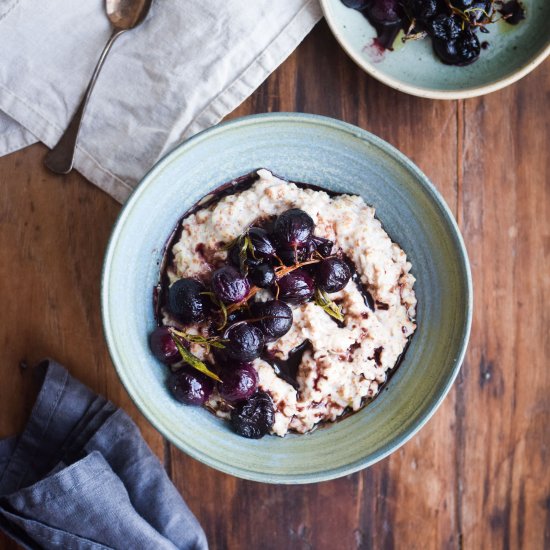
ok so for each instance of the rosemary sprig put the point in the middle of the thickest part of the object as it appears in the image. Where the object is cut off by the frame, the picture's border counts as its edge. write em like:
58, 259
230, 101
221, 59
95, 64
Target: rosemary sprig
222, 308
206, 341
464, 15
190, 359
238, 305
322, 300
245, 246
415, 36
283, 270
475, 9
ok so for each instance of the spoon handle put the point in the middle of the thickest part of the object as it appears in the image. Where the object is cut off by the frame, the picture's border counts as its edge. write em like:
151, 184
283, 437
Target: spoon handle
60, 159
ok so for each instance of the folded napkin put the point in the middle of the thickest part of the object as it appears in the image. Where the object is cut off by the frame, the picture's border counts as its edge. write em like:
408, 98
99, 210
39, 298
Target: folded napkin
187, 66
80, 476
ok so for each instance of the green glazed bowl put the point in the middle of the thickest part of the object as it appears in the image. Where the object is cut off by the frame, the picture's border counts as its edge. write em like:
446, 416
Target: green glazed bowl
413, 68
337, 156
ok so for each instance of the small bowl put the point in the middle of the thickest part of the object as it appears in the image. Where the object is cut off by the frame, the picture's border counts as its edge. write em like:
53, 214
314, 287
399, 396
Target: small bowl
413, 68
337, 156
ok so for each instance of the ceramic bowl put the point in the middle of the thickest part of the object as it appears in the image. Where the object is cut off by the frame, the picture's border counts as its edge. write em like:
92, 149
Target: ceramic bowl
513, 51
337, 156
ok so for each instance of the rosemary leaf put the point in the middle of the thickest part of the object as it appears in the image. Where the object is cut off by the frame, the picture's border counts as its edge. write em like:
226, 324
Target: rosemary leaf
322, 300
193, 361
221, 306
244, 244
223, 311
481, 10
229, 245
250, 246
217, 344
198, 339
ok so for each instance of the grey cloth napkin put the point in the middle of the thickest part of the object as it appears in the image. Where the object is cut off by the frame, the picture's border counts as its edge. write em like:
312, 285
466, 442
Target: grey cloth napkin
188, 65
81, 477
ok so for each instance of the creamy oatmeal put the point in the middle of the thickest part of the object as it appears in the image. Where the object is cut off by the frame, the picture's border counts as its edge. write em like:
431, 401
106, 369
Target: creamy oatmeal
344, 360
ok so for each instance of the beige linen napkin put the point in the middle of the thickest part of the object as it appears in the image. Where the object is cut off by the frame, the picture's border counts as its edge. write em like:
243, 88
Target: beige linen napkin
185, 68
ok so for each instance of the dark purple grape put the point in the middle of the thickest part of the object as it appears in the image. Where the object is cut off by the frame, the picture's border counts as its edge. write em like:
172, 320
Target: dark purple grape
186, 301
445, 27
229, 285
262, 275
275, 318
293, 228
189, 386
238, 383
220, 359
291, 256
237, 315
384, 11
464, 4
261, 243
453, 44
244, 343
356, 4
254, 417
513, 12
323, 246
163, 347
233, 257
461, 51
296, 287
333, 274
422, 9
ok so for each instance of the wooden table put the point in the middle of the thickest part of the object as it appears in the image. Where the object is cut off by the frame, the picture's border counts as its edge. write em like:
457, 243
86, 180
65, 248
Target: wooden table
477, 476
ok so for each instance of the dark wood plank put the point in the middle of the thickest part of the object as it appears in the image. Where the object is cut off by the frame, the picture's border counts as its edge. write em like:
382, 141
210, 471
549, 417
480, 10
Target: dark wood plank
504, 411
476, 475
53, 238
53, 234
411, 493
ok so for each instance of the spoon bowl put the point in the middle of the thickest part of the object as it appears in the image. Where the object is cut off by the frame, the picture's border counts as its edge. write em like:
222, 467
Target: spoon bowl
127, 14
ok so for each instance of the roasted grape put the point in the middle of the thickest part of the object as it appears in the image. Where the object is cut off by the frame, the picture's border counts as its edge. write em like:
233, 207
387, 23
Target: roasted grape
254, 417
422, 9
163, 347
333, 274
234, 257
244, 342
274, 318
189, 386
321, 245
238, 382
293, 228
261, 243
229, 285
291, 256
384, 11
296, 287
262, 275
187, 301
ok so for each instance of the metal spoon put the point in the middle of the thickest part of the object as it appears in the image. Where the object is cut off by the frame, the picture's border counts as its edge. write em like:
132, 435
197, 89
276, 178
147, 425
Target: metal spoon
124, 16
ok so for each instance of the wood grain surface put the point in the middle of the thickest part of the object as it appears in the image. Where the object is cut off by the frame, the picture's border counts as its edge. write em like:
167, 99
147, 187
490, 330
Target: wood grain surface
477, 475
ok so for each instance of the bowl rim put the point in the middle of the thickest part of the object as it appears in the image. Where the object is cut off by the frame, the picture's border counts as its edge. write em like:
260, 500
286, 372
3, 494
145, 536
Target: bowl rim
330, 473
432, 93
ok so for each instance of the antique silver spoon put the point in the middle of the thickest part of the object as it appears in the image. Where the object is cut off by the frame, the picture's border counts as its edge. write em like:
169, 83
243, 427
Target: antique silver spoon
124, 16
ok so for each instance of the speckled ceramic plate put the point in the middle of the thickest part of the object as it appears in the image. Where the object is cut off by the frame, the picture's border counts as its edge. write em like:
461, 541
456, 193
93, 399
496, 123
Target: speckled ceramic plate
337, 156
413, 68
